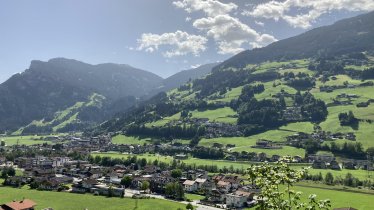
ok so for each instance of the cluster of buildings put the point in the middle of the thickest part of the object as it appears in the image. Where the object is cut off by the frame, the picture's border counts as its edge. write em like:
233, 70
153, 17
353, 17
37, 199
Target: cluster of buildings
222, 189
64, 174
318, 136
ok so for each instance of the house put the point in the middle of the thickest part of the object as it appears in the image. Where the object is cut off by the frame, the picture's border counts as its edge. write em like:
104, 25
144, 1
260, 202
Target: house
239, 199
297, 159
200, 182
349, 165
319, 164
181, 157
334, 165
108, 191
190, 186
15, 181
275, 158
89, 183
215, 196
25, 204
224, 186
262, 156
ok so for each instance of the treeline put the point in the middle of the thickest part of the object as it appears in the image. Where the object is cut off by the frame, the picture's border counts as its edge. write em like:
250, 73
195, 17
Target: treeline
139, 163
347, 119
176, 131
348, 180
351, 150
368, 74
300, 81
219, 80
311, 108
258, 115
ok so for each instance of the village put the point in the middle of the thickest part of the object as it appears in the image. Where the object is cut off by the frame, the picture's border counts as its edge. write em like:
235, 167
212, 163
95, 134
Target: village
139, 178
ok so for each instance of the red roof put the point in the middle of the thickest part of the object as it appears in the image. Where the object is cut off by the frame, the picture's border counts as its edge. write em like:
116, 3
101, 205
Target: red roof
21, 205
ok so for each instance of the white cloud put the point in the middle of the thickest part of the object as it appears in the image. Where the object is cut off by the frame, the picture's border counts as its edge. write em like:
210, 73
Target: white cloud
311, 10
231, 34
188, 19
177, 43
259, 23
209, 7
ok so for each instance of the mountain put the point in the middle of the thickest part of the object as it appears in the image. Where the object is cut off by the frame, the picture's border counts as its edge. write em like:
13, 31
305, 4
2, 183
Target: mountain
182, 77
346, 36
300, 88
48, 87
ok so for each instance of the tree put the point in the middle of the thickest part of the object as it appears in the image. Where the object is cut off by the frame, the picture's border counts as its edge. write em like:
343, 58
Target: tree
176, 173
2, 143
329, 178
272, 178
145, 185
174, 190
126, 181
189, 206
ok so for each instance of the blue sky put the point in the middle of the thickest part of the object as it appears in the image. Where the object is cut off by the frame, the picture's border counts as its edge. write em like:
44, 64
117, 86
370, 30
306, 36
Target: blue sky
161, 36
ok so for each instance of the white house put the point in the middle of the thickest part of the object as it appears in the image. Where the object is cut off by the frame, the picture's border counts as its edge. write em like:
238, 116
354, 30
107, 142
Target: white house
190, 186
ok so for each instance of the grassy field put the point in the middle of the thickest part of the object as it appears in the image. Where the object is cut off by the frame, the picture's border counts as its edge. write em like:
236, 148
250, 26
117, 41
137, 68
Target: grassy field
165, 120
25, 140
193, 196
360, 174
122, 139
339, 198
219, 115
71, 201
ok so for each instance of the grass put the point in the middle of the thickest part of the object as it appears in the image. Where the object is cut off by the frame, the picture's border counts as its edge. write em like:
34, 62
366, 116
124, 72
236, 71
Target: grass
340, 79
193, 197
122, 139
339, 198
25, 140
270, 90
164, 121
285, 151
71, 201
364, 132
306, 127
230, 95
224, 115
360, 174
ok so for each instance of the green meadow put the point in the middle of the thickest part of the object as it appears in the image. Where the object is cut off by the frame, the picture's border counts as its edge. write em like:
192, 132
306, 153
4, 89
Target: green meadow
72, 201
25, 140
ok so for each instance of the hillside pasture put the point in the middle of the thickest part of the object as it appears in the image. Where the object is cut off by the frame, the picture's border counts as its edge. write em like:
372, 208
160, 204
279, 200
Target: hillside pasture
225, 115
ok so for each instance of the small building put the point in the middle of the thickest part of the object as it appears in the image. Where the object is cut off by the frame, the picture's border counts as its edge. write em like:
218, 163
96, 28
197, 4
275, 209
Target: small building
190, 186
239, 199
108, 191
200, 182
25, 204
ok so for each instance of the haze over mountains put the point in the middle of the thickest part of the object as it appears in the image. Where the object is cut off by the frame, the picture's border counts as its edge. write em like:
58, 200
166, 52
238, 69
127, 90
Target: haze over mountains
55, 85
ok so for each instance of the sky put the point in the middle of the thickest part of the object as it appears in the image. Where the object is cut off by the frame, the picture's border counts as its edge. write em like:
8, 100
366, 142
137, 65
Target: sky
161, 36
